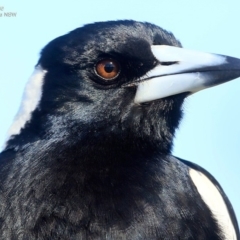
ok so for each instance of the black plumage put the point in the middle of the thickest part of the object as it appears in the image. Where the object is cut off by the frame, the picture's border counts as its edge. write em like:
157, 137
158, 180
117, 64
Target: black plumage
91, 163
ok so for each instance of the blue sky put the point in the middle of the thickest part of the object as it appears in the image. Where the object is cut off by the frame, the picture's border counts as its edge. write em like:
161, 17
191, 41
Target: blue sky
210, 131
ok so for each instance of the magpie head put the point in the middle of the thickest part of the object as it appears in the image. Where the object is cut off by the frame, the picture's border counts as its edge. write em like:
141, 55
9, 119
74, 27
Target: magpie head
121, 80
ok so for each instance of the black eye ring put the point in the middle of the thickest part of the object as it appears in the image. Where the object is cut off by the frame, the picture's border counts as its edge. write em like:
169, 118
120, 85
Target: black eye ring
107, 69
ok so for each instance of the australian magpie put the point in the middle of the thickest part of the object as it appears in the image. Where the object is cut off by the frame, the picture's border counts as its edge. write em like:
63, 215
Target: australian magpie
89, 153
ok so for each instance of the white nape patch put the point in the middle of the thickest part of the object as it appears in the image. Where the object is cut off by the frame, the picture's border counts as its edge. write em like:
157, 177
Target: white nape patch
213, 199
31, 97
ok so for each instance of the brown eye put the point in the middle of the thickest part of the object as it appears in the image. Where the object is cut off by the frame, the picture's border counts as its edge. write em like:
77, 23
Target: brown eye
107, 69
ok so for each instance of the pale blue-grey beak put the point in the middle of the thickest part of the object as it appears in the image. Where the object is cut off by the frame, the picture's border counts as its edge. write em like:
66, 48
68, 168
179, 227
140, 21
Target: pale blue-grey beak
180, 70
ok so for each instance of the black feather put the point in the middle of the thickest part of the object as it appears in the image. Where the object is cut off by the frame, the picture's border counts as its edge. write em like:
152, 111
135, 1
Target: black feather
91, 164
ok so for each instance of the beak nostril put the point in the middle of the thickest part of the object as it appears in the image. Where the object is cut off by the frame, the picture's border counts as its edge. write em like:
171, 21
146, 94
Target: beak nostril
168, 63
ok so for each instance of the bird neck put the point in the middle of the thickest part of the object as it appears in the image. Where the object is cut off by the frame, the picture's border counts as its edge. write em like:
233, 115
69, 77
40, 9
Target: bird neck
110, 157
108, 167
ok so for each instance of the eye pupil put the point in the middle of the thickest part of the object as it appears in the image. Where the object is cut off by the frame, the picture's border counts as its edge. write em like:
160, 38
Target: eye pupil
107, 69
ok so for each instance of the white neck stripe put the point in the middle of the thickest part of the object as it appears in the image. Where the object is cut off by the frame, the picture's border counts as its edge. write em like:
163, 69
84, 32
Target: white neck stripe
30, 101
214, 200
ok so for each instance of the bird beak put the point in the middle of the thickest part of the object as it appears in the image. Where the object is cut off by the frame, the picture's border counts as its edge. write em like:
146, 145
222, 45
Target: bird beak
181, 70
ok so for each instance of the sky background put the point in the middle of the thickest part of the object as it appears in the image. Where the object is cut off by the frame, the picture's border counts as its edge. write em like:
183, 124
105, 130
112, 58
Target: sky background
209, 134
